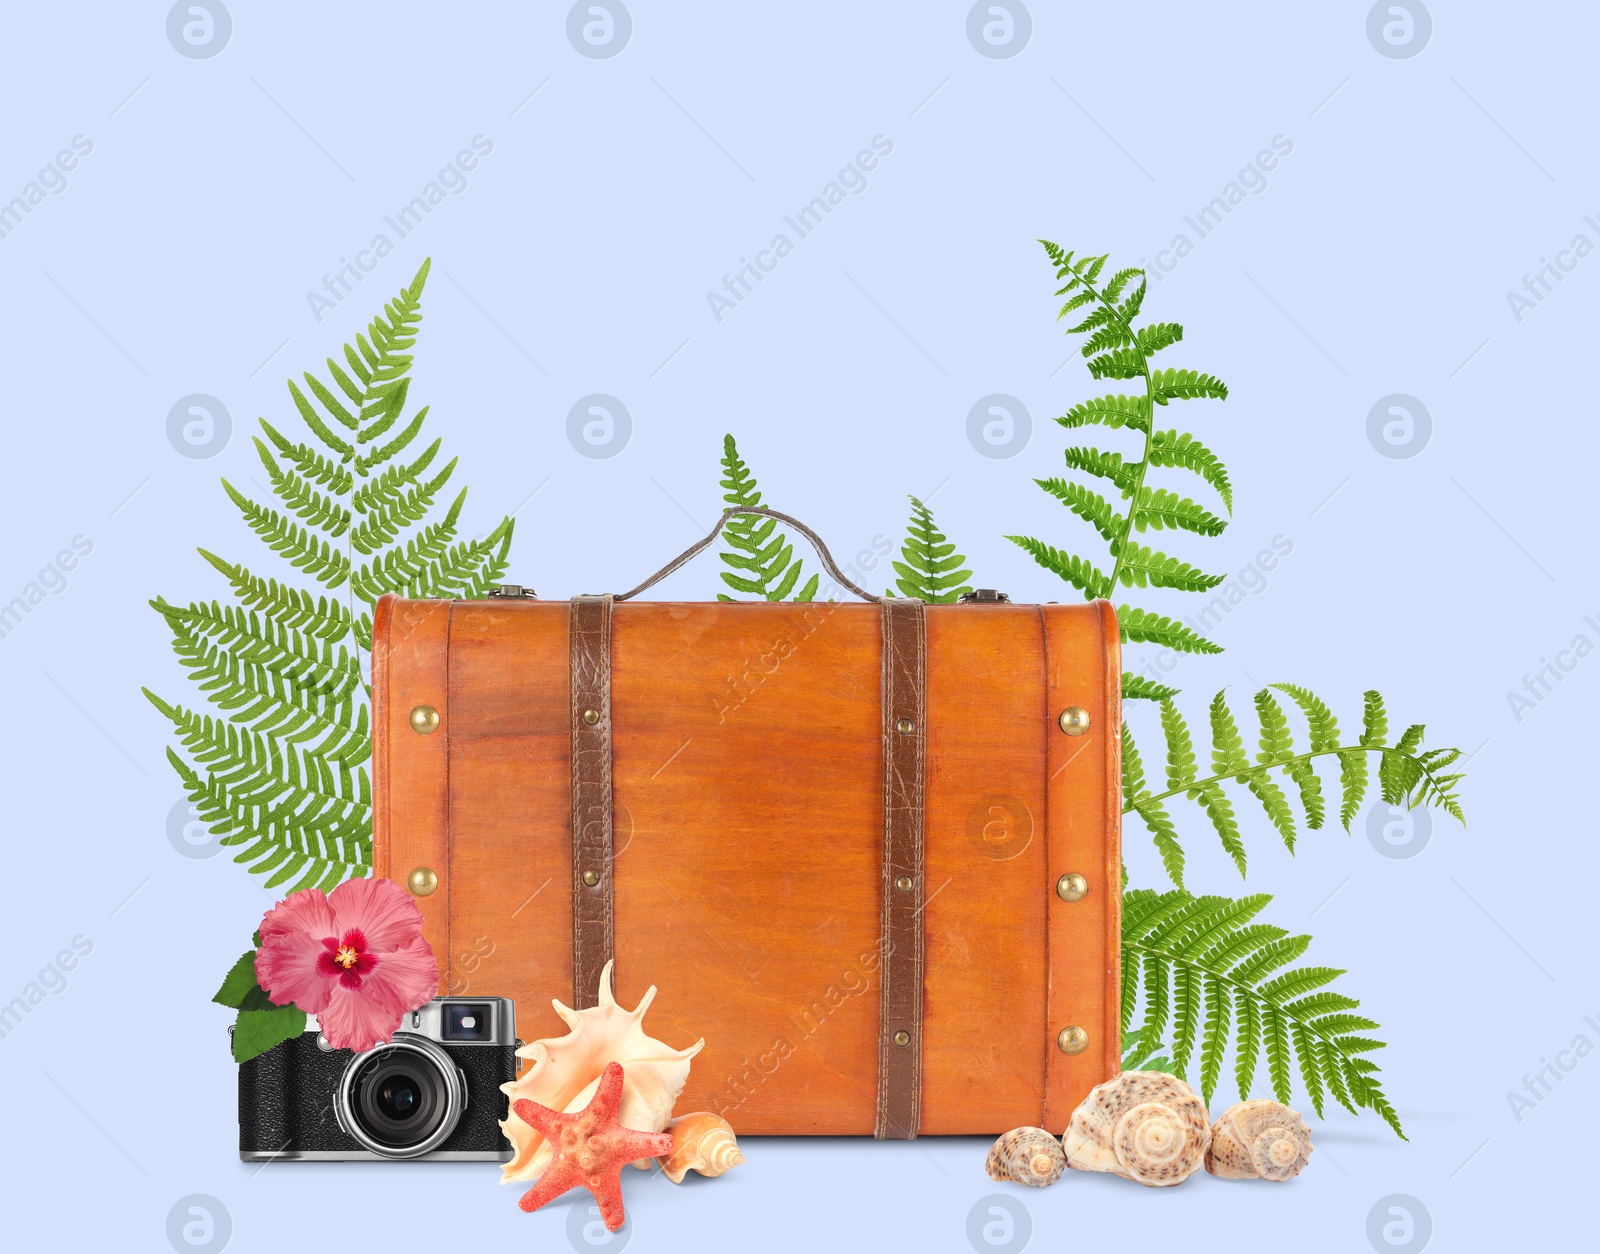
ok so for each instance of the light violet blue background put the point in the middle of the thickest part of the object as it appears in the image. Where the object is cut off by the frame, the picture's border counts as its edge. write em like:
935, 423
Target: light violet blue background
1376, 260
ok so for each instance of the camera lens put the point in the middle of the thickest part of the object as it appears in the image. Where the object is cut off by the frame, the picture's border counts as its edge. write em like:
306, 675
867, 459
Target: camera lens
402, 1099
398, 1099
467, 1021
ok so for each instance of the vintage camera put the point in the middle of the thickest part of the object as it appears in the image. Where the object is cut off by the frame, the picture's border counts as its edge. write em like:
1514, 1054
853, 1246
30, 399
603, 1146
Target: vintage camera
432, 1093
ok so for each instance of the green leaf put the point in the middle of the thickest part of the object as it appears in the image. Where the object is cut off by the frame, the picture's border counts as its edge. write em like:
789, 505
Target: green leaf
257, 1031
1411, 774
280, 774
929, 565
753, 543
1181, 765
1091, 461
1143, 566
1216, 806
1079, 573
1159, 508
1199, 966
1374, 723
1170, 385
1086, 503
1142, 627
1158, 335
238, 983
1138, 688
1108, 411
1116, 349
1137, 798
1181, 451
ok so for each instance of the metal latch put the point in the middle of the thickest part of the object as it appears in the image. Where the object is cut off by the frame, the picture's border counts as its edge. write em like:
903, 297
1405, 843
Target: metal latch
511, 590
982, 596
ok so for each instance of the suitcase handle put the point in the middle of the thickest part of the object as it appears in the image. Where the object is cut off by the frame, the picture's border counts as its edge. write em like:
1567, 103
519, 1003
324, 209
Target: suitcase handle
694, 549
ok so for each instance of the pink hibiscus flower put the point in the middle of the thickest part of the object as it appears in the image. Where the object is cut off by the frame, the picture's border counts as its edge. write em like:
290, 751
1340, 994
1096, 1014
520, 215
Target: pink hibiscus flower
354, 957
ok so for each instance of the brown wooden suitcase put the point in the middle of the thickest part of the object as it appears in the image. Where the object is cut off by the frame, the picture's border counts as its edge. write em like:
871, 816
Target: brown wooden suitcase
870, 851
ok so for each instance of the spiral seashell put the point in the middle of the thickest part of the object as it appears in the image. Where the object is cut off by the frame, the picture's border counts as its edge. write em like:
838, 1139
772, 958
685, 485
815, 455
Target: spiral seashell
1145, 1126
1259, 1140
703, 1142
1029, 1156
564, 1072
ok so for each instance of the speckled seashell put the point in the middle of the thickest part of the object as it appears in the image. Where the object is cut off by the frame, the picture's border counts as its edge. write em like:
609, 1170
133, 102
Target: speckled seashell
1258, 1140
701, 1142
1142, 1125
564, 1072
1029, 1156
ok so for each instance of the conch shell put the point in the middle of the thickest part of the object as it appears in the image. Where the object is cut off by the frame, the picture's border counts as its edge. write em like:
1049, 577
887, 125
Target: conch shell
1258, 1140
1029, 1156
701, 1141
1142, 1125
564, 1072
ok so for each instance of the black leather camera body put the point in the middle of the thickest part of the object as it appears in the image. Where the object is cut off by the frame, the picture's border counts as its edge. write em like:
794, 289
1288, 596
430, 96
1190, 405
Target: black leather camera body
431, 1094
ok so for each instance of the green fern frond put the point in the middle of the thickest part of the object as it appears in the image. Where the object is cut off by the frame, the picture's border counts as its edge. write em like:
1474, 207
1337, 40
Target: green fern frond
1185, 385
239, 756
466, 571
280, 774
1108, 411
1181, 451
1138, 688
309, 463
292, 607
1141, 566
1140, 626
1139, 799
1075, 570
1408, 774
302, 549
1158, 335
271, 702
260, 640
304, 501
754, 543
393, 510
1160, 508
1110, 466
929, 568
1206, 969
1116, 348
398, 568
1086, 503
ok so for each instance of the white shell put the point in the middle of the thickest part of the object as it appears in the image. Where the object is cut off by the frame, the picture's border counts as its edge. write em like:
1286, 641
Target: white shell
703, 1142
563, 1073
1259, 1140
1142, 1125
1029, 1156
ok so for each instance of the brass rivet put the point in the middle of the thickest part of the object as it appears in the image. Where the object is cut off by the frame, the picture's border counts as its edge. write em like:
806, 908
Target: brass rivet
422, 881
1073, 1040
905, 727
903, 883
591, 717
424, 720
591, 878
1072, 887
902, 1038
1074, 720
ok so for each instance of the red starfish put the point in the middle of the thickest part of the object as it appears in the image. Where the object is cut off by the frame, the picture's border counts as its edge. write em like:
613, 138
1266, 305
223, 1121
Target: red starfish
589, 1148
